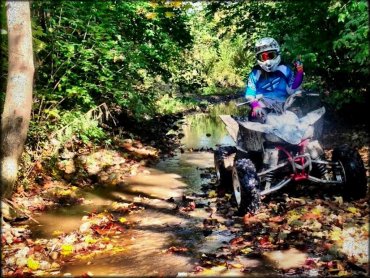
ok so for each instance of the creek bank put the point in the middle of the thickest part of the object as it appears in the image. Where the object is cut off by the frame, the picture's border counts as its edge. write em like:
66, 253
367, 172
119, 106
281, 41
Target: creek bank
85, 167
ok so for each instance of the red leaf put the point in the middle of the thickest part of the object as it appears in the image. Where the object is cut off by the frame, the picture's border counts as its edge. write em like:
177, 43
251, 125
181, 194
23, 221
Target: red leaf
310, 215
277, 219
250, 219
236, 240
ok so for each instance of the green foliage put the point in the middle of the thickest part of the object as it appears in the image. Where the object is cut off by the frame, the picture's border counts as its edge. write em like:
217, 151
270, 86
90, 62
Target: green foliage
84, 126
170, 105
93, 52
144, 57
213, 64
331, 36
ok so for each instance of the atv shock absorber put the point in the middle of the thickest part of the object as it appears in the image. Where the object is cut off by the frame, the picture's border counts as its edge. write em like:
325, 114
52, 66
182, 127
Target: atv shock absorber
270, 160
317, 153
321, 167
269, 177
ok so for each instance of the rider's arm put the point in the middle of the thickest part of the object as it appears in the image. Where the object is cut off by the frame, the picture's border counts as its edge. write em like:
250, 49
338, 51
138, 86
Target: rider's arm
251, 90
295, 80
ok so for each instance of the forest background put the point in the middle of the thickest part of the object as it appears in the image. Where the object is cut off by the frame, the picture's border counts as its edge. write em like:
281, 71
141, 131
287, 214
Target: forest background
96, 61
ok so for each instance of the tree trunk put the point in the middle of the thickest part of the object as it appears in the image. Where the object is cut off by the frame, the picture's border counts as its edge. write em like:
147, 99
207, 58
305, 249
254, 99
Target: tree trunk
18, 100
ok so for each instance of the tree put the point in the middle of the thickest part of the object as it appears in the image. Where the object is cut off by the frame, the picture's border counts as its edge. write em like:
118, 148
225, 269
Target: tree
18, 100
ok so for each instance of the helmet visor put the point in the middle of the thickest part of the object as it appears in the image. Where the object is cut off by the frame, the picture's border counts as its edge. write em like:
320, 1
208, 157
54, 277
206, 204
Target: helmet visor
267, 55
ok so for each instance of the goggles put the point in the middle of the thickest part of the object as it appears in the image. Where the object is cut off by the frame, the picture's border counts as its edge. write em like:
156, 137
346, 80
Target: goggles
267, 55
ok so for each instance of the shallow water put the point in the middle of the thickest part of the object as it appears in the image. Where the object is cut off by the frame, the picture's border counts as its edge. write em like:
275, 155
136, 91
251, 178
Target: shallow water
160, 225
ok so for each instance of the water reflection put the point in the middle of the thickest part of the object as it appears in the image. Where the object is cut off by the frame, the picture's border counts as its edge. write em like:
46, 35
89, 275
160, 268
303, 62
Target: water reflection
207, 130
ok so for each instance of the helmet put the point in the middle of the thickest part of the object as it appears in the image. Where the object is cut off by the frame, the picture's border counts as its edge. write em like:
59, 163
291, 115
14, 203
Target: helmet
268, 54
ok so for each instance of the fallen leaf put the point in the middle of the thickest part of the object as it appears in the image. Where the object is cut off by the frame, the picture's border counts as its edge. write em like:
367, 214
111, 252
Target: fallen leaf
212, 194
66, 249
32, 264
277, 219
122, 220
352, 209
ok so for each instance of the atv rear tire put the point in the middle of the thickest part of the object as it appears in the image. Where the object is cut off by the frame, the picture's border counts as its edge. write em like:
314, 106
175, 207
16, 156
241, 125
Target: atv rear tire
245, 185
354, 173
223, 172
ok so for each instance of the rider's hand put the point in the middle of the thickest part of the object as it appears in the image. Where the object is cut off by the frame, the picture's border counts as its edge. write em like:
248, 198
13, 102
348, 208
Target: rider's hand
256, 109
298, 65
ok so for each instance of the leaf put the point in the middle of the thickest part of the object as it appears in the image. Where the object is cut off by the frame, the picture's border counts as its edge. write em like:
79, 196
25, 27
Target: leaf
335, 234
122, 220
352, 209
214, 271
32, 264
57, 233
66, 249
246, 250
176, 4
236, 240
250, 219
88, 239
317, 210
169, 14
310, 215
277, 219
212, 194
151, 15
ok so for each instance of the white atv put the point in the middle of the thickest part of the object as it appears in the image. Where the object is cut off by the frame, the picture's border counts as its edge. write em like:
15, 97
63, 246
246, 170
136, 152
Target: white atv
282, 150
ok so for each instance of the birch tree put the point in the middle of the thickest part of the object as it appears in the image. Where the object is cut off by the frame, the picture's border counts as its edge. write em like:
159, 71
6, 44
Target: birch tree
18, 100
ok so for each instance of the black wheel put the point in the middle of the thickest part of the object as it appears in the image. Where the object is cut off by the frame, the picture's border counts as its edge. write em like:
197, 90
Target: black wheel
223, 171
353, 172
245, 185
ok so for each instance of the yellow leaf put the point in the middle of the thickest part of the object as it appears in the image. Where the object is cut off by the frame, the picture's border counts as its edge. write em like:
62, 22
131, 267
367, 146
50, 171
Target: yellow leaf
57, 233
153, 4
176, 4
122, 220
89, 239
32, 264
335, 234
66, 249
151, 15
292, 216
118, 249
352, 209
246, 250
214, 271
237, 265
169, 14
212, 194
317, 210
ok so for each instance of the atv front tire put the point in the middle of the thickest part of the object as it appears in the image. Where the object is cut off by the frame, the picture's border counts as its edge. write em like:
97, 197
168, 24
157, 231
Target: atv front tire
245, 185
353, 172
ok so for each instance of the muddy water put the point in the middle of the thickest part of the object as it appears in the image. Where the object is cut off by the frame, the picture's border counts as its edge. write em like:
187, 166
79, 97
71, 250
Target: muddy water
160, 226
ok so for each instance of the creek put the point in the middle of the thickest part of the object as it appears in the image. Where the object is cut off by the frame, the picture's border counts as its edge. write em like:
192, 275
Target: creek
160, 226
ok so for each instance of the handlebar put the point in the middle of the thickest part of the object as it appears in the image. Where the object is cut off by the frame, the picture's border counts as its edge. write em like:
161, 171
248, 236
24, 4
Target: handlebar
288, 102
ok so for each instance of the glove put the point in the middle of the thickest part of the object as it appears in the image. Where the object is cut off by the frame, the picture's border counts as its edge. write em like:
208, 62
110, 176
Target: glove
256, 109
298, 66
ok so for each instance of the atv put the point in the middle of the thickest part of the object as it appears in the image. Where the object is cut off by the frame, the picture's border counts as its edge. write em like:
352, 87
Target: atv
284, 149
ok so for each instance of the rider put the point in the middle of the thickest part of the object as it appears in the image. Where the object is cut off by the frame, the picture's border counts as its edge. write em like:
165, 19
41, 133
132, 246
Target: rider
270, 78
275, 81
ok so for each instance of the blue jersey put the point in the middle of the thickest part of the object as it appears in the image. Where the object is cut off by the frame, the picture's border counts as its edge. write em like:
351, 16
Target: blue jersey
275, 85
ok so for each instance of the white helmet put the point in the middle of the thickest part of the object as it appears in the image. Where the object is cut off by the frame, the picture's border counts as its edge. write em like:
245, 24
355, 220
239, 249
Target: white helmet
268, 54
